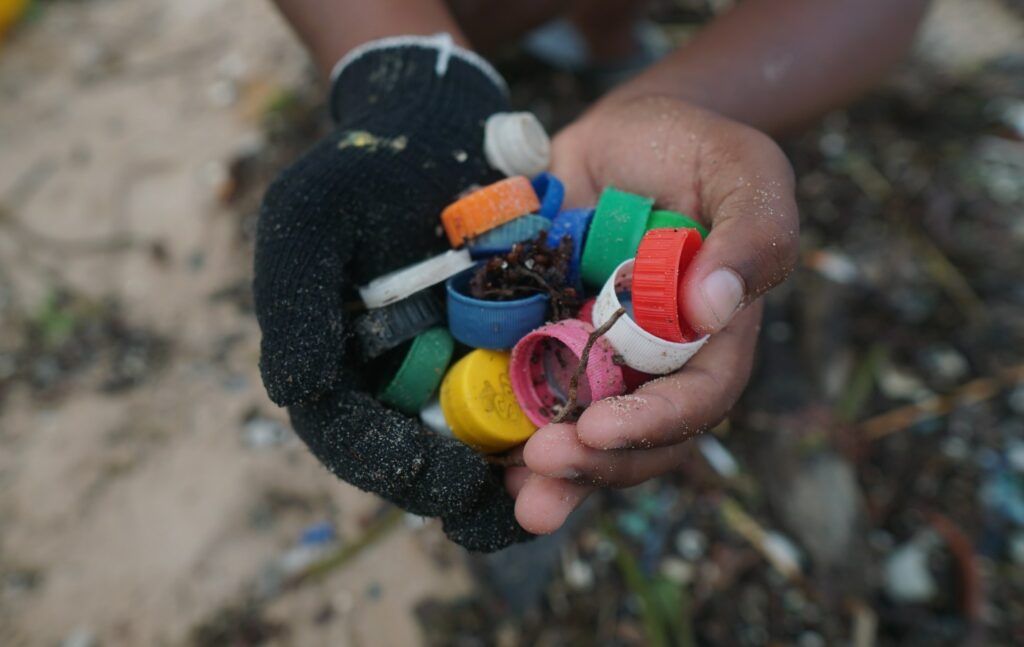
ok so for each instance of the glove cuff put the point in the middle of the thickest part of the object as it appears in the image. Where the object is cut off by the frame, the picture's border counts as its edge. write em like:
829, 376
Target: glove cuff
403, 72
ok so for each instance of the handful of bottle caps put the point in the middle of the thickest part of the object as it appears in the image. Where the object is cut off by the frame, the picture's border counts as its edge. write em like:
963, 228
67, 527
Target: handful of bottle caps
501, 366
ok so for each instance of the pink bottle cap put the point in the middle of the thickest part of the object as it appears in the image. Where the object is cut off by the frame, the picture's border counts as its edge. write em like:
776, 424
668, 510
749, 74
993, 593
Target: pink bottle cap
544, 361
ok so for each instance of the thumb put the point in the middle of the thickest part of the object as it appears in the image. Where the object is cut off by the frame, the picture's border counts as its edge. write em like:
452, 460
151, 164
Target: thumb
754, 240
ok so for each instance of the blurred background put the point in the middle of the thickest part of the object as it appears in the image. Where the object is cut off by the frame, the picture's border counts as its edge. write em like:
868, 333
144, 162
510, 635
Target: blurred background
869, 488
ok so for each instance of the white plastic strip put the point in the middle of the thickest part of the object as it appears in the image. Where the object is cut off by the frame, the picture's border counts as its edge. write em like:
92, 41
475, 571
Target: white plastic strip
407, 281
433, 418
442, 42
515, 143
637, 347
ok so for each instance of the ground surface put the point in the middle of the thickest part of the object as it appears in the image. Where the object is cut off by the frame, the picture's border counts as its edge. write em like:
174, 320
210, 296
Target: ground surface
148, 490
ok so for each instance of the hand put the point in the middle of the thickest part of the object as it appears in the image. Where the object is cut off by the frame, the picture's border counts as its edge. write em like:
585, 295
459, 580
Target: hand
737, 181
365, 201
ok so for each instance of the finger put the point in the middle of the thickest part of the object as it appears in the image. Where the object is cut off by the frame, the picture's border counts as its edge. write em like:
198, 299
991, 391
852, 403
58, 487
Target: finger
676, 407
566, 165
515, 478
754, 240
556, 451
544, 504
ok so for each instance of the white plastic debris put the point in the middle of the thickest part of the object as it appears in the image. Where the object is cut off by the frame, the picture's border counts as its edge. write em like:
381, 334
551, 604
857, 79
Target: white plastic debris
1016, 400
1013, 115
1015, 454
414, 521
677, 570
80, 637
720, 459
907, 578
1016, 549
782, 553
264, 432
515, 143
433, 418
690, 544
834, 266
898, 384
579, 575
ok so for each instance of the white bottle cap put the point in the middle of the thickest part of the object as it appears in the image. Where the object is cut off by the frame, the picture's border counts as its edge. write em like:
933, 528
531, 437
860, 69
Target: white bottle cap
638, 348
515, 143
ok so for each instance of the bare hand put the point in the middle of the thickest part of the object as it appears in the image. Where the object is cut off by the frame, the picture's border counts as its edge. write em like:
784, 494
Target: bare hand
737, 181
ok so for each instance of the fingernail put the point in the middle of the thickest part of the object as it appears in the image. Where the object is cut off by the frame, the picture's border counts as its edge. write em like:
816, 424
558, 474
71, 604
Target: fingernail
722, 291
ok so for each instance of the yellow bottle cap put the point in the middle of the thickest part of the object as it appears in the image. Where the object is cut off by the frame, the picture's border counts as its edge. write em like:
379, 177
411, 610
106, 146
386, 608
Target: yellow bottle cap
479, 405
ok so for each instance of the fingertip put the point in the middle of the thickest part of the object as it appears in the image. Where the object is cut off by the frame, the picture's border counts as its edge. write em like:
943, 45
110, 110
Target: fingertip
544, 504
550, 451
710, 300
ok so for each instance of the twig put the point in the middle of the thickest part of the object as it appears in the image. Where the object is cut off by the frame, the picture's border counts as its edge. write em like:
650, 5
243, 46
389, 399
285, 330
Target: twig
505, 460
746, 526
979, 390
574, 381
947, 274
539, 279
959, 544
348, 551
865, 624
510, 292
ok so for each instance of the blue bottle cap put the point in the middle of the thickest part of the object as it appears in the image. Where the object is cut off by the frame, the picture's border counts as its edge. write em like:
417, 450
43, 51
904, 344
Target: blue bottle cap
494, 325
501, 239
574, 223
550, 191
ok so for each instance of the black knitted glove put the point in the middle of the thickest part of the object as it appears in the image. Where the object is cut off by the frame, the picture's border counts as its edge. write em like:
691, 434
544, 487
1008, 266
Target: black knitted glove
367, 200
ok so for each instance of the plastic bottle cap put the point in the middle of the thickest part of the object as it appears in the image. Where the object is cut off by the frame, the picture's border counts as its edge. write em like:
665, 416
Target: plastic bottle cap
663, 219
633, 378
420, 372
544, 361
574, 223
515, 143
381, 329
620, 220
479, 405
487, 208
433, 418
496, 325
501, 239
661, 261
551, 192
409, 280
637, 347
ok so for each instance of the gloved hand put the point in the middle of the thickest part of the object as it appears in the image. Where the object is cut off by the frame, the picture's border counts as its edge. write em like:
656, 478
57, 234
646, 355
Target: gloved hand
365, 201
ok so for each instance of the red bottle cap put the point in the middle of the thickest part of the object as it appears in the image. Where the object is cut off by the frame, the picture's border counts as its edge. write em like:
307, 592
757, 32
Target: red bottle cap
661, 261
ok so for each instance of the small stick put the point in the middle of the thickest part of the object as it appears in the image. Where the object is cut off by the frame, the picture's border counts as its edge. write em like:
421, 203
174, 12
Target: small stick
574, 381
979, 390
505, 460
539, 279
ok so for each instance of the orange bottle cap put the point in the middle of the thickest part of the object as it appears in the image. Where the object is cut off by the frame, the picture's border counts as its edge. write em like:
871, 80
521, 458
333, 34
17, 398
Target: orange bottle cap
486, 208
